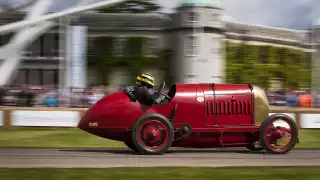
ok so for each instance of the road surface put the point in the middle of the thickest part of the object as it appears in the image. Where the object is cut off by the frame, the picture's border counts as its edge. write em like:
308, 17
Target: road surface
104, 158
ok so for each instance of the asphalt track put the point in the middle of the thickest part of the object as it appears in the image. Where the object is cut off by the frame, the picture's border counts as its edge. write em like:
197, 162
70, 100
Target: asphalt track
106, 158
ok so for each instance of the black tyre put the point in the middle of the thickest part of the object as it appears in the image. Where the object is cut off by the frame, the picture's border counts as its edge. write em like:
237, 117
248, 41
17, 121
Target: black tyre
252, 147
267, 132
130, 145
152, 134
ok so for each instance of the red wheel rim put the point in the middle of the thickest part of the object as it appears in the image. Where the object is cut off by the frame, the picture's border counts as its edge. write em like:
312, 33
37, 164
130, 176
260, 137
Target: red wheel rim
273, 133
153, 134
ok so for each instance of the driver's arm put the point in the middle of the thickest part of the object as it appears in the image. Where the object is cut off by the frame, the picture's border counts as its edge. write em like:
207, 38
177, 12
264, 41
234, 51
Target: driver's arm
159, 99
129, 91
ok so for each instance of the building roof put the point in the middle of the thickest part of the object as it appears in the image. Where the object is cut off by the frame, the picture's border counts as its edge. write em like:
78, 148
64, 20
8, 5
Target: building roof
206, 3
123, 20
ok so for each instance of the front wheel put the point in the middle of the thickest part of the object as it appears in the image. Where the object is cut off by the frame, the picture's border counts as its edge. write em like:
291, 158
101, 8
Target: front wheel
253, 147
278, 137
152, 134
130, 145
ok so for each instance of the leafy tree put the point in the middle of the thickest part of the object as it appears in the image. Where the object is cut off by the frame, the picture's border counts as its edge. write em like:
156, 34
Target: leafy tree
99, 56
250, 57
132, 6
232, 65
259, 64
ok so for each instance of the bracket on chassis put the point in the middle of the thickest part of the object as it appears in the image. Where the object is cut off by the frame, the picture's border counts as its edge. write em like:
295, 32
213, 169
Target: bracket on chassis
173, 113
185, 131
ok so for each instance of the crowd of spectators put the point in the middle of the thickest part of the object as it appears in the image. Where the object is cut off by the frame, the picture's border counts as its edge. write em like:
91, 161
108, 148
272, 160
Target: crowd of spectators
37, 96
293, 98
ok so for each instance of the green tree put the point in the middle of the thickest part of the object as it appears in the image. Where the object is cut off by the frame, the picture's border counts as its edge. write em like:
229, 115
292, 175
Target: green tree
132, 6
232, 66
249, 59
99, 57
305, 70
259, 64
134, 60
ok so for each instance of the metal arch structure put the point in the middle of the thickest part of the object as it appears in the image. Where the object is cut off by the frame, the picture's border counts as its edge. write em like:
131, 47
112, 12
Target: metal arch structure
11, 52
31, 22
10, 10
34, 25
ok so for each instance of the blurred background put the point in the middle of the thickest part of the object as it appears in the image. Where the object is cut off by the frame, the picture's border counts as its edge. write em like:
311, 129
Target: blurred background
75, 60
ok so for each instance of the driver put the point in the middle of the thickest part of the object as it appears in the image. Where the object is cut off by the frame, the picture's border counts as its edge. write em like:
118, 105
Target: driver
143, 92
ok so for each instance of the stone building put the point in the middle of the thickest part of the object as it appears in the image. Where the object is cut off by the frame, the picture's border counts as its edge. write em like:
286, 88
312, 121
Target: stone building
194, 32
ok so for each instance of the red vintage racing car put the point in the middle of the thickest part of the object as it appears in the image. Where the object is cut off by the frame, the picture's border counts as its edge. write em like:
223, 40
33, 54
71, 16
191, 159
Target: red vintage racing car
194, 116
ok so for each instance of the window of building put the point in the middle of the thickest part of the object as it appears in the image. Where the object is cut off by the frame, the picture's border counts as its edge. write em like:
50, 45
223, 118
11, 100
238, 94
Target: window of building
34, 77
48, 77
193, 16
192, 45
152, 46
48, 44
20, 77
56, 45
118, 46
42, 46
215, 17
35, 47
216, 46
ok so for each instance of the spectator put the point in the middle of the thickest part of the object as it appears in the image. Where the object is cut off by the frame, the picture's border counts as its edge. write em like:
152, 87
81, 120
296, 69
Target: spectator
292, 99
305, 100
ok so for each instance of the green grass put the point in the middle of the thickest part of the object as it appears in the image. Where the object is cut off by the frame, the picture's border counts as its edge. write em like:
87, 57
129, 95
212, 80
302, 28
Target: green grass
309, 138
53, 138
75, 138
260, 173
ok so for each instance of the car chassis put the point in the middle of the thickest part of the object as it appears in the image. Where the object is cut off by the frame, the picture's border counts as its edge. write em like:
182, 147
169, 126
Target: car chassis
194, 116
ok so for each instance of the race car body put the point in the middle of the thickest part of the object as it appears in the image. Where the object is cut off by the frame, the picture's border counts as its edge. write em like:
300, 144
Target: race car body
195, 116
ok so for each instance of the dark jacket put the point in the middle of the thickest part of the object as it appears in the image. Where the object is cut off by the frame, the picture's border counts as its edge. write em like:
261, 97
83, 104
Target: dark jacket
143, 95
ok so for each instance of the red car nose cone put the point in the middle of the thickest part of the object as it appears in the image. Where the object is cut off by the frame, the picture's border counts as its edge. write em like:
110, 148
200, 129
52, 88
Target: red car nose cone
84, 123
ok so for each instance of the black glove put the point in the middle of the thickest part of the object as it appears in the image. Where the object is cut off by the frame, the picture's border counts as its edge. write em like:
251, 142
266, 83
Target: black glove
129, 92
132, 97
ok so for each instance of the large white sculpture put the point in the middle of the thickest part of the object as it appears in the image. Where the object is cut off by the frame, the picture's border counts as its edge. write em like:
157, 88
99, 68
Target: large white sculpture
35, 24
11, 52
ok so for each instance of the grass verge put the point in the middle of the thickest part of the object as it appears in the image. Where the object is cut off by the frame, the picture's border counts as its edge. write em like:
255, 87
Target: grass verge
261, 173
53, 138
75, 138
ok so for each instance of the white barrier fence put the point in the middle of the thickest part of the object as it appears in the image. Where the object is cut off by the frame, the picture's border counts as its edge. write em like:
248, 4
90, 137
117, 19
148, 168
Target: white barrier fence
45, 118
310, 121
71, 118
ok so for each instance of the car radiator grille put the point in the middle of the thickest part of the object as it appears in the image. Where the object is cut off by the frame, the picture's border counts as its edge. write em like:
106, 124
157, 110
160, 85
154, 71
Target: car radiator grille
229, 108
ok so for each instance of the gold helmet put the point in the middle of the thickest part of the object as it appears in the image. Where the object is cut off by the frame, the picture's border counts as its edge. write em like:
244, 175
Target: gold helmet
145, 79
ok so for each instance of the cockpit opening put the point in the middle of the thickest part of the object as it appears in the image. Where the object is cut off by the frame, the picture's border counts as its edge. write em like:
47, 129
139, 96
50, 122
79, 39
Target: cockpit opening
172, 91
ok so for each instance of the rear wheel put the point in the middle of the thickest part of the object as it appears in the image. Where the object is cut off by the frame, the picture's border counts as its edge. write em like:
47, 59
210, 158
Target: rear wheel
152, 134
278, 137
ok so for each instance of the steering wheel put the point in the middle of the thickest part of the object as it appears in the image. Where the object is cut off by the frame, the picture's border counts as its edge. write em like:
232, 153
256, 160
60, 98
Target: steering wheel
162, 85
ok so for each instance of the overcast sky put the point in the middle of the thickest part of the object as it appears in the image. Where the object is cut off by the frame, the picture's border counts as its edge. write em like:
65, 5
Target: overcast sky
297, 14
